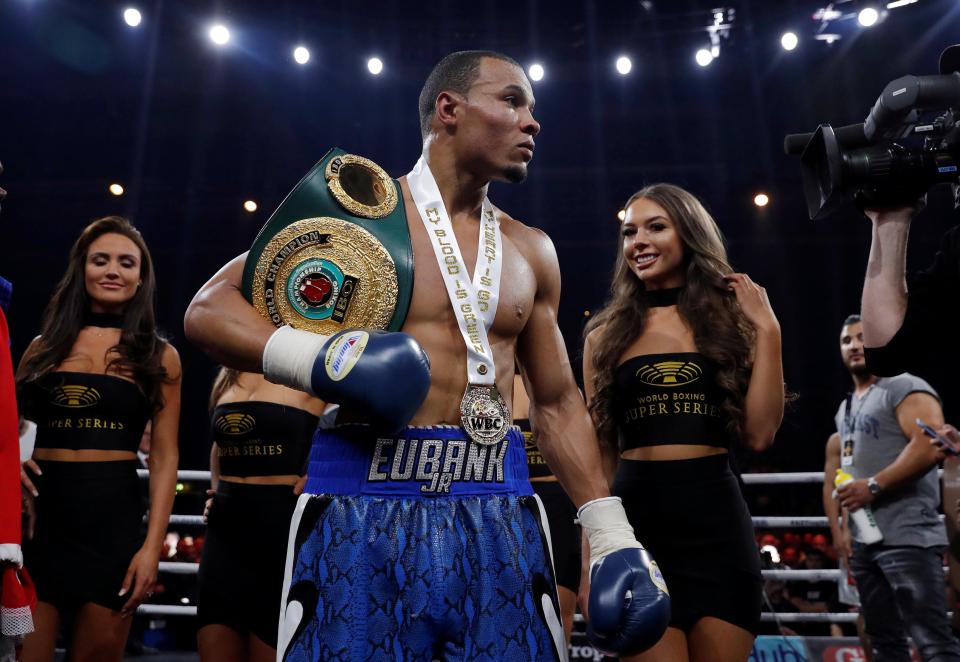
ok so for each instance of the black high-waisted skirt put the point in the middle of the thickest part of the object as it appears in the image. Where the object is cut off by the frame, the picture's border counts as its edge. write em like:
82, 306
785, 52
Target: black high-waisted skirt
244, 555
89, 526
691, 516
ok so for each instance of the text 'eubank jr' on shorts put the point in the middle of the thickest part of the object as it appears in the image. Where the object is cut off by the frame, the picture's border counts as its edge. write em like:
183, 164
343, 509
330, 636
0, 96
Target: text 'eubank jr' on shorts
424, 546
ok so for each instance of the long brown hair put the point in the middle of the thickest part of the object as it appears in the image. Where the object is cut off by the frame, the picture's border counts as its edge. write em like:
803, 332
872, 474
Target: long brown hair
140, 350
720, 330
226, 378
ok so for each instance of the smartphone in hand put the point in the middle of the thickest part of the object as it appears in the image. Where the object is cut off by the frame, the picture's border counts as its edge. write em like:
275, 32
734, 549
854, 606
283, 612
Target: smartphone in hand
948, 447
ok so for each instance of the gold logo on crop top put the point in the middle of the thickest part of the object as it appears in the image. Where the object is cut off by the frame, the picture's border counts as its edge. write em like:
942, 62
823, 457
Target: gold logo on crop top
669, 374
235, 423
75, 396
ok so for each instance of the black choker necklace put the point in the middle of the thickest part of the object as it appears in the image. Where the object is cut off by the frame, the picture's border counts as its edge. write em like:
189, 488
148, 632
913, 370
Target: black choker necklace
666, 297
105, 320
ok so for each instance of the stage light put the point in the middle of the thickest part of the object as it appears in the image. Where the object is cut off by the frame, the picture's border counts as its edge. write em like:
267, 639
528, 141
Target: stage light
132, 17
868, 17
375, 66
622, 214
301, 54
536, 72
219, 34
624, 65
789, 41
761, 199
250, 206
116, 189
899, 3
704, 57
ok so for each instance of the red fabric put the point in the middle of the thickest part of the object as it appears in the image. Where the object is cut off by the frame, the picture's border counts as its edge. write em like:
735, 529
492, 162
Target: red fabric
9, 444
18, 599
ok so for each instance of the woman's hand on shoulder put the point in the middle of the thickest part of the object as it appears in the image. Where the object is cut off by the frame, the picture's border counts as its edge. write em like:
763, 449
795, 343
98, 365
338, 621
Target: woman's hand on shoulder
753, 302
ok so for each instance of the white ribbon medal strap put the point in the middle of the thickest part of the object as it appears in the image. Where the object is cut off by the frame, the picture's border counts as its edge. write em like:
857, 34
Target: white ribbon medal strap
483, 412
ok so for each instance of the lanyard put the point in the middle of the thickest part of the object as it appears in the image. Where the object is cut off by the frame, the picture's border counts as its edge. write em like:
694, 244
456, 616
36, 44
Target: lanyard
474, 303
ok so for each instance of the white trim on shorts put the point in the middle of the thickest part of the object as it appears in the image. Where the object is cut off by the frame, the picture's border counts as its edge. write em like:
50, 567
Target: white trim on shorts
288, 624
552, 618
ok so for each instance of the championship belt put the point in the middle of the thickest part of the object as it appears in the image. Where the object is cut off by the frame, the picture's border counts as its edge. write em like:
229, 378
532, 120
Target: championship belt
336, 254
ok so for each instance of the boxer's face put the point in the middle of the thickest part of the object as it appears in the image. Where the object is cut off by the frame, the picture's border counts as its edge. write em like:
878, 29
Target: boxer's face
495, 128
112, 272
851, 348
652, 246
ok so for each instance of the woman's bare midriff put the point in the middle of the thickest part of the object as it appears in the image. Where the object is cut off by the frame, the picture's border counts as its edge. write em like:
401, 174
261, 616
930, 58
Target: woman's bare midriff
671, 452
84, 455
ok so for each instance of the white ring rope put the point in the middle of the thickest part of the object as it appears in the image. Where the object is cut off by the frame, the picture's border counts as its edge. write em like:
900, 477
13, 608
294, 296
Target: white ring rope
827, 574
190, 610
787, 478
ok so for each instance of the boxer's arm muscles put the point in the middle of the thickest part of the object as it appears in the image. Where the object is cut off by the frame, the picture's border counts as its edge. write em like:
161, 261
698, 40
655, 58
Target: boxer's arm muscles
224, 324
565, 434
609, 453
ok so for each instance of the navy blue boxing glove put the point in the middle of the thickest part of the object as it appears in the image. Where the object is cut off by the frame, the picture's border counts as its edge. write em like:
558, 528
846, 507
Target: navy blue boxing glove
384, 375
629, 605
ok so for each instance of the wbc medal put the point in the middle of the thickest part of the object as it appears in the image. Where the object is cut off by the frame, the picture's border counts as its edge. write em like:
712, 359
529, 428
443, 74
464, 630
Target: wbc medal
484, 414
336, 254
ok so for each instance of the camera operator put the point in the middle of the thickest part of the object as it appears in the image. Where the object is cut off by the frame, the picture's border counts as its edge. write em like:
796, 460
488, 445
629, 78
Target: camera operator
912, 329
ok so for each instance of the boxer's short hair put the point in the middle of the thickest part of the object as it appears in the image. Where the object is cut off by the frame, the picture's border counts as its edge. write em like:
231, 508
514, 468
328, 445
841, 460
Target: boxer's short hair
456, 72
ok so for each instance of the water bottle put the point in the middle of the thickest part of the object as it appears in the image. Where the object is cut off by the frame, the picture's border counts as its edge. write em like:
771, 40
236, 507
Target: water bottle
865, 527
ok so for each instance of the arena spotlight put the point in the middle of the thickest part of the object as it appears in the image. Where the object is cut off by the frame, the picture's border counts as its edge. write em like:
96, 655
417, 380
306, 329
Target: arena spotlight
868, 17
132, 16
761, 199
622, 214
219, 34
375, 66
250, 206
704, 57
116, 189
624, 65
301, 55
789, 41
536, 72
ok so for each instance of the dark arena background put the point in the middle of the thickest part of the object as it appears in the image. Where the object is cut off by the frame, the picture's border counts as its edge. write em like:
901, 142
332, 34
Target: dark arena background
191, 130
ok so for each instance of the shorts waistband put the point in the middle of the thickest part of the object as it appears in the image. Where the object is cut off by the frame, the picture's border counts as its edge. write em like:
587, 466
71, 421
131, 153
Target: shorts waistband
426, 461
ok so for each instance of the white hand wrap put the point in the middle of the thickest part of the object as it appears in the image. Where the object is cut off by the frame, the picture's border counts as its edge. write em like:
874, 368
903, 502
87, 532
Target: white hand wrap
289, 355
605, 523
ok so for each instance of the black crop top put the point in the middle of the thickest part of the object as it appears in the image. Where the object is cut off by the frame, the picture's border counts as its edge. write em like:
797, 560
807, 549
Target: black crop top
86, 411
664, 399
262, 438
536, 465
